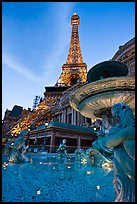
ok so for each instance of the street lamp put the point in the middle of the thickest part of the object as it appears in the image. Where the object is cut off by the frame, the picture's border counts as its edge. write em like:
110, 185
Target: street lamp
28, 132
46, 125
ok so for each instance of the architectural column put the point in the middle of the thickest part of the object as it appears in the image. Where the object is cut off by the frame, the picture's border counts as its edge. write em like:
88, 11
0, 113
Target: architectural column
52, 142
66, 116
78, 118
78, 142
76, 115
59, 118
72, 121
62, 116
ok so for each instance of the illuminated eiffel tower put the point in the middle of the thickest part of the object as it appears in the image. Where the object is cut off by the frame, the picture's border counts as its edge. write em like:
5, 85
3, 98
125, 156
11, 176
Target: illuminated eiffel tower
74, 70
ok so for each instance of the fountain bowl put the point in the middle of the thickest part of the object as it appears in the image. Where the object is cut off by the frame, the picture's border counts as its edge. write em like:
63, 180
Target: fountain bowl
94, 98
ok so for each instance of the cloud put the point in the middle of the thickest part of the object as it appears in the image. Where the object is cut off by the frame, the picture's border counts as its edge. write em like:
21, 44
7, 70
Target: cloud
24, 71
49, 62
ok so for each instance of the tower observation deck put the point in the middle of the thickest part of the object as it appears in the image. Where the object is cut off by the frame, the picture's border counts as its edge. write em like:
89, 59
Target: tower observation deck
74, 69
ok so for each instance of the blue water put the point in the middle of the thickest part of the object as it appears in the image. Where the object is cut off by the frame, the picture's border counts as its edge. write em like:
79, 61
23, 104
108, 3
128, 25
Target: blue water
44, 180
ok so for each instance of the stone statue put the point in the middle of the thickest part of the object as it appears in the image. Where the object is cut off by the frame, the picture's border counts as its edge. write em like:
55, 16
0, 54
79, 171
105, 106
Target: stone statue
18, 149
62, 151
122, 140
62, 148
100, 155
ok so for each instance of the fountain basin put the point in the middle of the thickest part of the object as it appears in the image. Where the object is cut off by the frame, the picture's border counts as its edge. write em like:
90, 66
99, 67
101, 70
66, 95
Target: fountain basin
107, 69
94, 98
41, 181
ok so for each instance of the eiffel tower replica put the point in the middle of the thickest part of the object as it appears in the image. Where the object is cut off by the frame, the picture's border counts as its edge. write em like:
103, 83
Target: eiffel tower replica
74, 70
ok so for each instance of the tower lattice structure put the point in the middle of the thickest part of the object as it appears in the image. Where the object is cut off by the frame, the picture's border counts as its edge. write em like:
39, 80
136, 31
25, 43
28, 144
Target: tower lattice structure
74, 70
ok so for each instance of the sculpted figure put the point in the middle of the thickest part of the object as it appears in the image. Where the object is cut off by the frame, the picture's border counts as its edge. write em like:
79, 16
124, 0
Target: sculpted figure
98, 154
62, 150
122, 140
18, 149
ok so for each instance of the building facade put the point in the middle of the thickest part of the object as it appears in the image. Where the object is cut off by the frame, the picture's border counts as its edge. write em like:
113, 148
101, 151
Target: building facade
126, 55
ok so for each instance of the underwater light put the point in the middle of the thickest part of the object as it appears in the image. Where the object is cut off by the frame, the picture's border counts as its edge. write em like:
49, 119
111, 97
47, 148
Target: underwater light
98, 187
84, 161
38, 192
88, 172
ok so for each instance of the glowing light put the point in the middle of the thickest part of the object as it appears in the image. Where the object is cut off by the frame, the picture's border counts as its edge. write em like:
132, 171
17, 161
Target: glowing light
54, 167
46, 123
88, 172
38, 192
98, 187
129, 176
83, 161
107, 166
40, 162
69, 167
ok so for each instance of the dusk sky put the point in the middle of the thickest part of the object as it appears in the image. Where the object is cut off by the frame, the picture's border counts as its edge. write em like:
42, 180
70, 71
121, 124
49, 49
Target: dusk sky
36, 38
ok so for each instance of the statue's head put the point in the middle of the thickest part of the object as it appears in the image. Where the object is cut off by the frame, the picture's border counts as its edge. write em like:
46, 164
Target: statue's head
64, 141
123, 114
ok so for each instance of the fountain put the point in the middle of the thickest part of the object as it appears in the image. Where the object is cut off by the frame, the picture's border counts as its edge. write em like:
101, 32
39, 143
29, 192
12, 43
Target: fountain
88, 172
110, 94
65, 179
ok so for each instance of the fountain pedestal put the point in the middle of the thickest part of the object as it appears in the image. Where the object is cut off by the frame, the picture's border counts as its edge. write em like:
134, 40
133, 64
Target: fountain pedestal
109, 87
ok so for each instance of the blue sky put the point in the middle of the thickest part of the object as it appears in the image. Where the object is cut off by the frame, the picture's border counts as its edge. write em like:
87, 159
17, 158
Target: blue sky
36, 37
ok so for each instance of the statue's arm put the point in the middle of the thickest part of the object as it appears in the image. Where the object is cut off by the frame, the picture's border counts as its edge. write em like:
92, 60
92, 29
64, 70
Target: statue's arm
118, 138
59, 148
